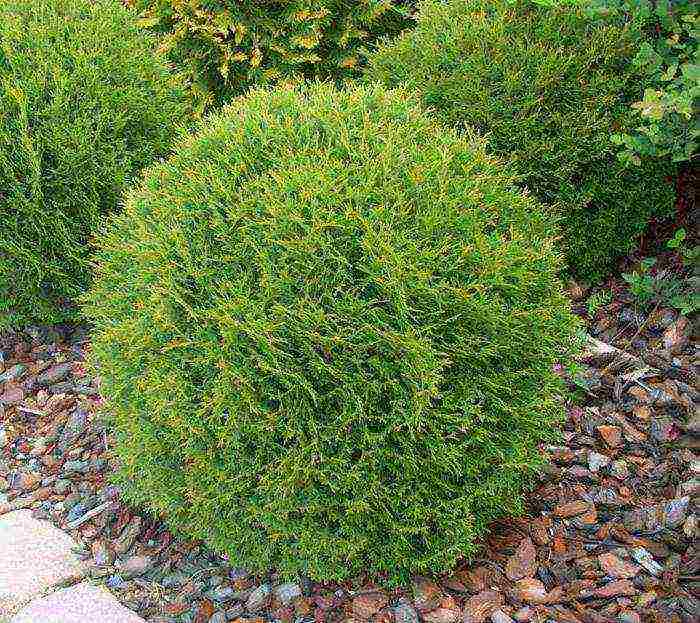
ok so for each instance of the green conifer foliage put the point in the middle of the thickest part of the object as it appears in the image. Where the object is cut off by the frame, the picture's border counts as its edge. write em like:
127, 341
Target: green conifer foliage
326, 330
85, 103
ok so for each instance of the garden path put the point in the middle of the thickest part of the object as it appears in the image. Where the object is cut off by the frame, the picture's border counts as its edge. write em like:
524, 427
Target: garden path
42, 579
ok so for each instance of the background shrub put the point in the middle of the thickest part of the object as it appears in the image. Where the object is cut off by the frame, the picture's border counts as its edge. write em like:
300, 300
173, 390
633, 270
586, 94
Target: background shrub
668, 51
333, 342
225, 46
549, 86
84, 104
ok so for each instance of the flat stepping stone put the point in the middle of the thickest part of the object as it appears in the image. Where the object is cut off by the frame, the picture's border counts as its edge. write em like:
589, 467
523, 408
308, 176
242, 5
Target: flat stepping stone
34, 557
82, 603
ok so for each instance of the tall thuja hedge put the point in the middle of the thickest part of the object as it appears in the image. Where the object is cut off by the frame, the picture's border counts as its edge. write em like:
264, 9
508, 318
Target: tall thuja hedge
326, 330
548, 86
226, 46
85, 103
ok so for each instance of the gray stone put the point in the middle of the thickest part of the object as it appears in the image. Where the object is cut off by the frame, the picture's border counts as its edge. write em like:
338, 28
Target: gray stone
671, 514
62, 486
49, 480
75, 426
221, 593
405, 613
86, 390
77, 511
174, 579
97, 465
136, 565
608, 497
597, 461
258, 598
286, 592
644, 558
61, 388
114, 581
234, 612
79, 467
239, 573
13, 373
676, 511
498, 616
55, 374
619, 469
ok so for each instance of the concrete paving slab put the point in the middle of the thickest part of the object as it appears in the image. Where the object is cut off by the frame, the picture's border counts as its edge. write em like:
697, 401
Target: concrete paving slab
34, 557
82, 603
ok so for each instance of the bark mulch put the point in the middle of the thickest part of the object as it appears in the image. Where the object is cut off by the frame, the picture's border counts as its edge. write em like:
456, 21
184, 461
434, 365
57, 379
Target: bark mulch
610, 535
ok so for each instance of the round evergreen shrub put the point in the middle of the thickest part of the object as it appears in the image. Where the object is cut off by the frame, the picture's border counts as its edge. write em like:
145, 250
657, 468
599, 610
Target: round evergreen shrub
548, 86
325, 329
85, 103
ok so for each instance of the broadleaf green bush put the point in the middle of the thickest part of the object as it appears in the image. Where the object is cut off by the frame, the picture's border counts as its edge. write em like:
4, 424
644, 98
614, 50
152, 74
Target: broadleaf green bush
227, 46
332, 349
85, 103
548, 86
668, 52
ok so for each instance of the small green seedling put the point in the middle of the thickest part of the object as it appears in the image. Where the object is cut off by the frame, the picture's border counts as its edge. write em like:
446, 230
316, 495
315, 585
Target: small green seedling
687, 301
686, 304
681, 293
677, 240
642, 284
691, 257
597, 300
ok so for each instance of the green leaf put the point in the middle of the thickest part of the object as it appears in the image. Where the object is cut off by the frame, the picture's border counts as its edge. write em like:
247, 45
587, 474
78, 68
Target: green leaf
148, 22
691, 72
670, 73
617, 139
677, 239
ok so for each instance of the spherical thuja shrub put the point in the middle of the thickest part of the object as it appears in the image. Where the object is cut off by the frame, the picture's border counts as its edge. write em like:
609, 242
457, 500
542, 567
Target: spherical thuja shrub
326, 330
548, 86
85, 103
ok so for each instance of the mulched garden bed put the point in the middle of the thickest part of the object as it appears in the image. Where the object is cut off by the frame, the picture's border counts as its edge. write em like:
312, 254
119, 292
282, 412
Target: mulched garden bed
611, 532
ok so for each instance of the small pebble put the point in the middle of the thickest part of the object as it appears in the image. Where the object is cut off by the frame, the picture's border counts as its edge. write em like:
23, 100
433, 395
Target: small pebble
114, 581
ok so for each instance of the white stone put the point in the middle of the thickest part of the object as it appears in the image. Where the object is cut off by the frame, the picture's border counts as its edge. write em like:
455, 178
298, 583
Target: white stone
34, 557
82, 603
597, 461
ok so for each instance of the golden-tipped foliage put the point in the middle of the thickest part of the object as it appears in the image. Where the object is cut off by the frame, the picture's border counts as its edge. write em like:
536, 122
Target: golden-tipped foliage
548, 86
225, 47
326, 330
85, 103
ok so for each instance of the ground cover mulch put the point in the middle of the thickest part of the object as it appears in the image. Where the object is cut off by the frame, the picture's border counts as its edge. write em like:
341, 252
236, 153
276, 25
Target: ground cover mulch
611, 533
